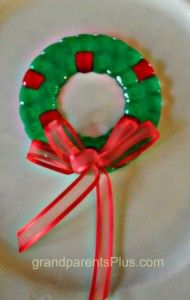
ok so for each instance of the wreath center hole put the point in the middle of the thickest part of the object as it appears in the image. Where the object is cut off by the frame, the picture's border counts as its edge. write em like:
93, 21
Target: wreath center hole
93, 103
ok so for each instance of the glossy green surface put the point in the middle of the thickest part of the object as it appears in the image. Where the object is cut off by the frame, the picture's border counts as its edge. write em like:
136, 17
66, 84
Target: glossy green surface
111, 56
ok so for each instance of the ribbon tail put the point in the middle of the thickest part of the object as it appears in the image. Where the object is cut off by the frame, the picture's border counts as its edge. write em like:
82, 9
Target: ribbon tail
52, 214
104, 240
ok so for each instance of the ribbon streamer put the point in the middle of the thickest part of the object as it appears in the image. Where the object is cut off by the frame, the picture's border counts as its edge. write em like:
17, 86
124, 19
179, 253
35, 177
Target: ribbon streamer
66, 154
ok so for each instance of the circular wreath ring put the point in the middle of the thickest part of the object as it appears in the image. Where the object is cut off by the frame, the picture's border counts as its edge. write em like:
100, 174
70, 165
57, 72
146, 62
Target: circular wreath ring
88, 53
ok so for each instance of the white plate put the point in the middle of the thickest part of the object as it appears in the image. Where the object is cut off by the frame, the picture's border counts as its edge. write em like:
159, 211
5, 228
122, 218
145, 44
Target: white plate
152, 205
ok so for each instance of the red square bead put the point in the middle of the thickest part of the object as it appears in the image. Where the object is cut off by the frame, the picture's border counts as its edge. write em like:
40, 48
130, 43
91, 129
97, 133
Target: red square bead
143, 70
84, 61
33, 79
49, 116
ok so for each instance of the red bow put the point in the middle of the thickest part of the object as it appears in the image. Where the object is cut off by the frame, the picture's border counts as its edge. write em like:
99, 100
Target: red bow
65, 153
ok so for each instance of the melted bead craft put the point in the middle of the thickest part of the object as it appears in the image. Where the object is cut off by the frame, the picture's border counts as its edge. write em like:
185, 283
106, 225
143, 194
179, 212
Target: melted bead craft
86, 53
57, 146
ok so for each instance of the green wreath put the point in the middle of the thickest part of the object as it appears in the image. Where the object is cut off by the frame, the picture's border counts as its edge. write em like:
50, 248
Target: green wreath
88, 53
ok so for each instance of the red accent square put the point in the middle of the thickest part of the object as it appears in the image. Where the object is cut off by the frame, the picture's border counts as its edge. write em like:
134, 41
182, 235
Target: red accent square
33, 79
84, 61
49, 116
143, 70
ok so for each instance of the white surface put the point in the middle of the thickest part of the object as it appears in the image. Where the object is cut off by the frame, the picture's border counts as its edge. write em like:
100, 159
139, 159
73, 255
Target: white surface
152, 204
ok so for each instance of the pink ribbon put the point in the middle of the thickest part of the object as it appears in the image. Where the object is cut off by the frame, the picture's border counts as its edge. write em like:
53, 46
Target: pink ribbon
65, 153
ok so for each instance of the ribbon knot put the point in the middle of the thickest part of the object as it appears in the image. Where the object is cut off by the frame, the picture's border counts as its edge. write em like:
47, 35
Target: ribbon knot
65, 153
86, 159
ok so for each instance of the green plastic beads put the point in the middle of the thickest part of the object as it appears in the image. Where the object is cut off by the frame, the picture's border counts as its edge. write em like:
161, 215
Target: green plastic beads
88, 53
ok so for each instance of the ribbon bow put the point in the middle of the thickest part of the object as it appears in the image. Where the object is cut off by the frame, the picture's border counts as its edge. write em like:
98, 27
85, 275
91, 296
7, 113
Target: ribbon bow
65, 153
